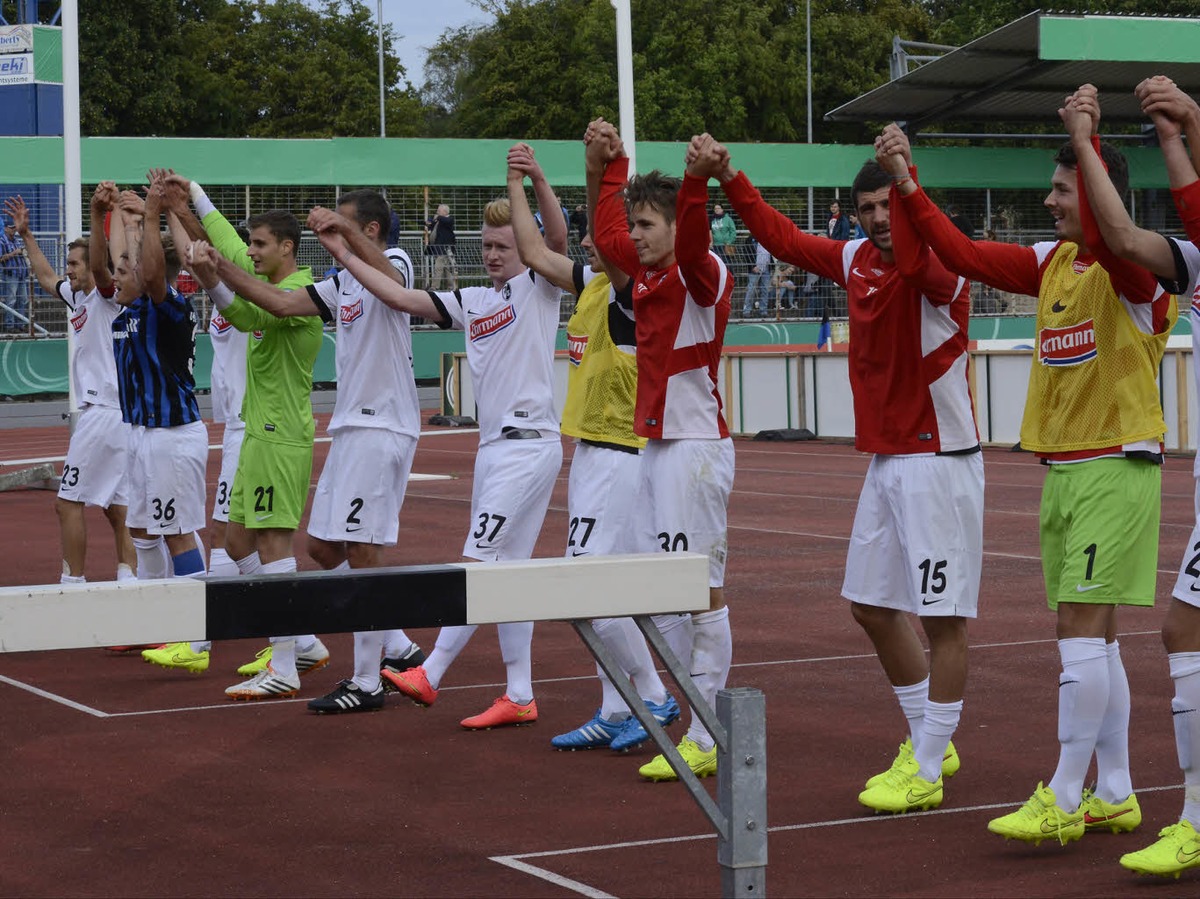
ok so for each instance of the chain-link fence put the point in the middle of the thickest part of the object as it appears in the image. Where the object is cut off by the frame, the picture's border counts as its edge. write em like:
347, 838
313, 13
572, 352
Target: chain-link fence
1012, 216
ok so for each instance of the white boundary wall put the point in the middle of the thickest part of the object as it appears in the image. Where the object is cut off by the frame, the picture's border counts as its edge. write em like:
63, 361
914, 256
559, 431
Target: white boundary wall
768, 390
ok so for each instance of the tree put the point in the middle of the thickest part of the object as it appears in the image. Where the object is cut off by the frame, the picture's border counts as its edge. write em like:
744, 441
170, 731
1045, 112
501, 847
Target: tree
231, 68
735, 68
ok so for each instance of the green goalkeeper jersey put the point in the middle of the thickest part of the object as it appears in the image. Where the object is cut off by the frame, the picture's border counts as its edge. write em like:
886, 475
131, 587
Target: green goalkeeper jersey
280, 353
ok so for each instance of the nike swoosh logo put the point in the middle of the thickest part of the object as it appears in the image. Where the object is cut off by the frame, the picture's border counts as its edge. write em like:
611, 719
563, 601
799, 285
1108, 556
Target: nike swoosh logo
1185, 858
521, 713
1089, 819
354, 529
855, 271
1056, 306
482, 544
1194, 588
584, 553
263, 517
1079, 588
929, 602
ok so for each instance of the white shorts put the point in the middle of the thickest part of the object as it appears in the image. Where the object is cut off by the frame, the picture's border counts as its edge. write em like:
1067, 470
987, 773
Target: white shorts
602, 501
917, 543
362, 486
513, 483
166, 478
685, 489
97, 459
1187, 585
231, 448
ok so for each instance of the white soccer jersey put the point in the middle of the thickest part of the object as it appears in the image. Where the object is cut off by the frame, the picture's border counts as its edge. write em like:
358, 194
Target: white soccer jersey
510, 348
94, 367
228, 370
1189, 292
376, 388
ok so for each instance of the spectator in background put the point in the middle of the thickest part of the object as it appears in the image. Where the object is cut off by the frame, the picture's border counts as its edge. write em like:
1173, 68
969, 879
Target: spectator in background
393, 238
960, 221
856, 230
784, 285
758, 288
14, 291
838, 226
439, 243
724, 234
579, 221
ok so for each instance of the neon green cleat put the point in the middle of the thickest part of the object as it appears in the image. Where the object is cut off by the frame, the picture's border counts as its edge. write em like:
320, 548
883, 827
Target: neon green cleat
177, 655
902, 790
702, 763
314, 658
1122, 817
261, 660
1177, 849
1039, 819
904, 756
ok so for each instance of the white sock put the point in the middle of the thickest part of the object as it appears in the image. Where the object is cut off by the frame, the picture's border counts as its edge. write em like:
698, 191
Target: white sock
1113, 780
516, 649
201, 645
625, 641
613, 706
220, 565
941, 721
153, 561
283, 649
678, 631
396, 644
913, 699
367, 648
450, 642
1082, 699
712, 656
65, 578
125, 573
283, 657
251, 564
1185, 712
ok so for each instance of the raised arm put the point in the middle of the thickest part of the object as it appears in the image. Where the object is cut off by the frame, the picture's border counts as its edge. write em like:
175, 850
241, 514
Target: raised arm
1107, 228
154, 261
1162, 100
386, 289
175, 202
322, 220
548, 205
38, 263
280, 303
776, 231
704, 273
554, 267
126, 240
103, 198
610, 222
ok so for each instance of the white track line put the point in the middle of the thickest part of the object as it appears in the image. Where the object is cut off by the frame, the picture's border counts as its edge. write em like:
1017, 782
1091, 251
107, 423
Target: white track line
54, 697
515, 861
21, 685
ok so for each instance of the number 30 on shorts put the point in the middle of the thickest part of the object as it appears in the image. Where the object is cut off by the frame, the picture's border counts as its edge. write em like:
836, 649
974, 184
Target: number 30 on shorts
673, 543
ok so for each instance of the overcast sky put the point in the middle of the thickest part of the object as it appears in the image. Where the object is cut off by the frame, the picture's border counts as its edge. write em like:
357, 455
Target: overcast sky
419, 23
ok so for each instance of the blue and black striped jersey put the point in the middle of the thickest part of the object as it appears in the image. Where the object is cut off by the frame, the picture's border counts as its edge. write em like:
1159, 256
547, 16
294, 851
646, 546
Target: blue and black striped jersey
155, 349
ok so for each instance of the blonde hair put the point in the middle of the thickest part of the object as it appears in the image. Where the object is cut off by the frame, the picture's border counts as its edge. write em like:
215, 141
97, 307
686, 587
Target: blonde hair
497, 213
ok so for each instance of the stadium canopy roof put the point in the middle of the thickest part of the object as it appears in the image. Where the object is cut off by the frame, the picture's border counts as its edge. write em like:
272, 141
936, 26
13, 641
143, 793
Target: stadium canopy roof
1022, 72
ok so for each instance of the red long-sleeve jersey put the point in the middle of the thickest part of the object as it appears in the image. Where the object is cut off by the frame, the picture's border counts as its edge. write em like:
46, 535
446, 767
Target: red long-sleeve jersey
680, 313
908, 330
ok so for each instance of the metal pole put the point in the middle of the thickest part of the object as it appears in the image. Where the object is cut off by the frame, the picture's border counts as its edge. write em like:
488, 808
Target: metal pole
808, 89
382, 113
625, 79
72, 174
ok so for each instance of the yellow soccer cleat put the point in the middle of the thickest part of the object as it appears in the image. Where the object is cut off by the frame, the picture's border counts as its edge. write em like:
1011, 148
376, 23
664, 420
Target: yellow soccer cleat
177, 655
904, 756
1039, 819
1177, 849
702, 763
314, 658
902, 790
1121, 817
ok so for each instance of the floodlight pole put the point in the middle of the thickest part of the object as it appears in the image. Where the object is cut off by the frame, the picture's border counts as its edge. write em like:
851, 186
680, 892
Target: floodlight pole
379, 30
625, 78
808, 90
72, 174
